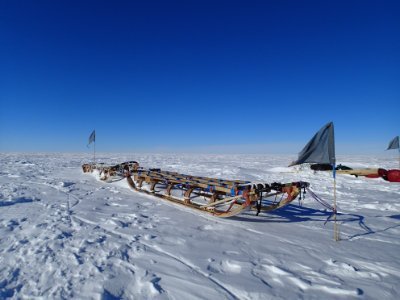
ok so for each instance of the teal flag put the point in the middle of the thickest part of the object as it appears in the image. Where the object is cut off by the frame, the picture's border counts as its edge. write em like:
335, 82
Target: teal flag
92, 137
394, 144
320, 149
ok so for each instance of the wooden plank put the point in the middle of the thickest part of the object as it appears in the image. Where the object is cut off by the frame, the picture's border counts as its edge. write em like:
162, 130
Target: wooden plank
228, 184
359, 172
210, 181
205, 179
232, 212
221, 201
149, 178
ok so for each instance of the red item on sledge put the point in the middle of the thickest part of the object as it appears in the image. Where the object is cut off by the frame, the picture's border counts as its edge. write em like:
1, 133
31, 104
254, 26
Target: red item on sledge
372, 176
393, 175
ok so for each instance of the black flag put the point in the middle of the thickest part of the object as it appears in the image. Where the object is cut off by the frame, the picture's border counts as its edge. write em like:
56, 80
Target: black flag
394, 144
320, 149
92, 137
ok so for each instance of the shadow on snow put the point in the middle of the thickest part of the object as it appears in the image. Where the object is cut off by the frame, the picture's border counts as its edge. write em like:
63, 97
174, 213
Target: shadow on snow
16, 201
298, 213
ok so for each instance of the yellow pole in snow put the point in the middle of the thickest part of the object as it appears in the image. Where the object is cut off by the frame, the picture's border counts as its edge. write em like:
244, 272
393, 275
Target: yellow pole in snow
336, 233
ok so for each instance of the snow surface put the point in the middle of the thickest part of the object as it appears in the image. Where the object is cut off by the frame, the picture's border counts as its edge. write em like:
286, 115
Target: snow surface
65, 234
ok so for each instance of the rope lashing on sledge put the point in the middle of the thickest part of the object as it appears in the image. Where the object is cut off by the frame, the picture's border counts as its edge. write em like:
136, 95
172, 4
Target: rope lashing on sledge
320, 200
259, 190
323, 203
302, 195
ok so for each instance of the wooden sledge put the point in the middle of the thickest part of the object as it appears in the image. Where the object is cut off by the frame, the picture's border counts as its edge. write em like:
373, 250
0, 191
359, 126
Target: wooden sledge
218, 197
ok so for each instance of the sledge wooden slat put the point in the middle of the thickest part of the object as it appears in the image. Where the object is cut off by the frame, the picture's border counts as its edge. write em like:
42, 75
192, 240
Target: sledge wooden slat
148, 179
162, 179
219, 202
202, 178
205, 180
233, 212
359, 172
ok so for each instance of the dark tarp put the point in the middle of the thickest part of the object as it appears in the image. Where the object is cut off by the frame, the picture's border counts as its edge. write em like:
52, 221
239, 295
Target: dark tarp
328, 167
320, 149
394, 144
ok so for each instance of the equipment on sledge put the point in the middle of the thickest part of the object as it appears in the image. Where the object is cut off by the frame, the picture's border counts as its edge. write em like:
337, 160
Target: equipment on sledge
218, 197
327, 167
388, 175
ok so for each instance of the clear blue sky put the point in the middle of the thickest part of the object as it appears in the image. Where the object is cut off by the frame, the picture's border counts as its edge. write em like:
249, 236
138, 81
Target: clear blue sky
187, 75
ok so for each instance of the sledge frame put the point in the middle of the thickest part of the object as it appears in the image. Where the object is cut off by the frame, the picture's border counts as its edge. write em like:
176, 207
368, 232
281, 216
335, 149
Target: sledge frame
226, 198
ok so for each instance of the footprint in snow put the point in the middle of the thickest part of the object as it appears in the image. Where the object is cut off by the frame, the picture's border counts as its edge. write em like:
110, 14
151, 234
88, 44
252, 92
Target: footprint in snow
65, 183
148, 237
224, 266
97, 240
63, 235
12, 224
206, 227
42, 225
231, 253
348, 270
272, 274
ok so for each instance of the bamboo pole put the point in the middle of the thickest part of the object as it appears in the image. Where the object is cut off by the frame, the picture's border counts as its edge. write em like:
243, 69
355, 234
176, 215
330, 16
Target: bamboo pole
336, 234
94, 151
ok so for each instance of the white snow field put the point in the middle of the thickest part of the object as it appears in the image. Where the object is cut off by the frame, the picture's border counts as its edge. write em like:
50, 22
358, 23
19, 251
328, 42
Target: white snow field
65, 234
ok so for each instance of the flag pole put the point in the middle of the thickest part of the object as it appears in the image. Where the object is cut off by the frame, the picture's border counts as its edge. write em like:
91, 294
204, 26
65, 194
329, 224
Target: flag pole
321, 149
336, 235
94, 152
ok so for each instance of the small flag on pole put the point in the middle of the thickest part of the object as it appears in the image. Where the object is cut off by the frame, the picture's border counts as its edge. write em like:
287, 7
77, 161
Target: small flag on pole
394, 144
92, 137
320, 149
